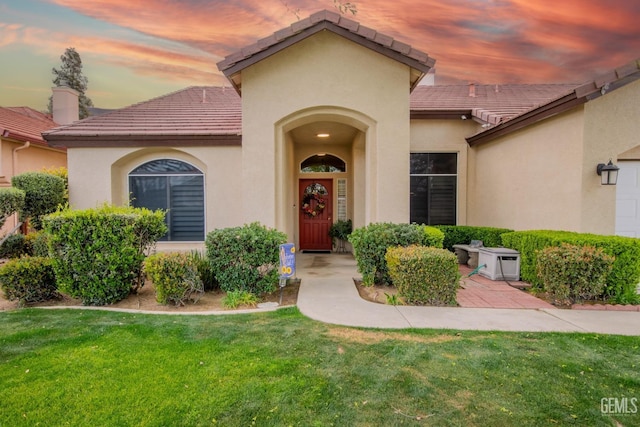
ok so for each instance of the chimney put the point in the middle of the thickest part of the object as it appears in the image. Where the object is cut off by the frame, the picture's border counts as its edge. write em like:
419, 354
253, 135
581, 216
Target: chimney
65, 104
472, 90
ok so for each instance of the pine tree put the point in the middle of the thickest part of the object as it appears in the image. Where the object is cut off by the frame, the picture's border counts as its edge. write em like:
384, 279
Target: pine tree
70, 74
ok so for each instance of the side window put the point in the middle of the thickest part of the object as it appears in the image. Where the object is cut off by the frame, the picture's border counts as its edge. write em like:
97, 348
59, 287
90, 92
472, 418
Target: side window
174, 186
433, 180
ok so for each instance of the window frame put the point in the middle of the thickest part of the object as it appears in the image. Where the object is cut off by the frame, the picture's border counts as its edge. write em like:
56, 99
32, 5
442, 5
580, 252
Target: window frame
428, 175
167, 175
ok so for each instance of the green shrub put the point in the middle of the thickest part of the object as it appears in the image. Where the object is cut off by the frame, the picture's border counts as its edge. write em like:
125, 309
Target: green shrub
370, 245
98, 253
14, 246
572, 273
235, 299
28, 279
245, 258
491, 237
621, 281
11, 201
340, 231
44, 193
60, 172
205, 270
424, 275
36, 244
174, 276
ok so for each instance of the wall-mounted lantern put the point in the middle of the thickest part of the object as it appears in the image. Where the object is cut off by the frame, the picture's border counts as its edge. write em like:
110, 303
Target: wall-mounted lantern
608, 173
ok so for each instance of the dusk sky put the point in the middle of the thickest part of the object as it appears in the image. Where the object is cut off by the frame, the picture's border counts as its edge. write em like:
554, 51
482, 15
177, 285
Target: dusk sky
136, 50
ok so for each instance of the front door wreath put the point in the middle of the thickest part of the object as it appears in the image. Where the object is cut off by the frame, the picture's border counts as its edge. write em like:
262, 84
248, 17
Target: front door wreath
310, 208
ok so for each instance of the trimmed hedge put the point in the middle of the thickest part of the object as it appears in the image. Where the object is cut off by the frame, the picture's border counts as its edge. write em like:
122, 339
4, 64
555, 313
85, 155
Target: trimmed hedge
423, 275
174, 276
245, 258
621, 281
573, 273
14, 246
44, 193
370, 245
11, 201
98, 253
463, 235
28, 279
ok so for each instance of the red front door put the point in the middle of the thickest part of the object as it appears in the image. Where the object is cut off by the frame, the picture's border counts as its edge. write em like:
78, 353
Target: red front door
315, 213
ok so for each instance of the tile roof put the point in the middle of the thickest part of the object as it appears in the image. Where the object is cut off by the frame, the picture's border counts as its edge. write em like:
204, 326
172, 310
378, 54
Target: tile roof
492, 104
577, 95
320, 21
206, 114
24, 124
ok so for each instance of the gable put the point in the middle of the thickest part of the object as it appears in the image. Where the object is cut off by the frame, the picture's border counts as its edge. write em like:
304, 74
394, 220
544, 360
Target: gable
233, 65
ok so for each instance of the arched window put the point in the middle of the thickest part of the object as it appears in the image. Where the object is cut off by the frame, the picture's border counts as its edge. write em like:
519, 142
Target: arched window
174, 186
323, 163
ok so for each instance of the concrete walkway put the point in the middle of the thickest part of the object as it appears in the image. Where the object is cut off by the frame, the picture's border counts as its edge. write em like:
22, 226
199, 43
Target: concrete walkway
328, 294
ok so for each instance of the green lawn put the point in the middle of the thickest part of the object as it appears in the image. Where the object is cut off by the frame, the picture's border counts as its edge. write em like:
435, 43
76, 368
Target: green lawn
93, 368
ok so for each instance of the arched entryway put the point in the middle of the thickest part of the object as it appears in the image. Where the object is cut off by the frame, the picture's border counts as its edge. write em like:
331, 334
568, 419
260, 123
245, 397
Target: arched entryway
324, 173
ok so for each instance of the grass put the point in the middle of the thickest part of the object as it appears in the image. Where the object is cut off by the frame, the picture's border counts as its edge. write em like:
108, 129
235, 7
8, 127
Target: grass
85, 367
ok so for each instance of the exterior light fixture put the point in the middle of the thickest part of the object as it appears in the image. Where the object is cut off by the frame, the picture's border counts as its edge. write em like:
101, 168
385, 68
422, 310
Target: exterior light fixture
323, 135
608, 173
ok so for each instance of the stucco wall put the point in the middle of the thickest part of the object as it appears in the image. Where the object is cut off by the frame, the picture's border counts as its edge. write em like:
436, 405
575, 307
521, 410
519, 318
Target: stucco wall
530, 179
331, 74
33, 158
100, 175
446, 136
544, 176
611, 129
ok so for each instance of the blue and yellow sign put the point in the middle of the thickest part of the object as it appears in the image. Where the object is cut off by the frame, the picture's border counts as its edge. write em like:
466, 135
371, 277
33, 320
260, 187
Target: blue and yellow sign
287, 260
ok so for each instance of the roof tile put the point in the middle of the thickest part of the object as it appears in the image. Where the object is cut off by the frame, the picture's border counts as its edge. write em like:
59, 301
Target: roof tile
25, 124
198, 110
235, 60
383, 39
366, 32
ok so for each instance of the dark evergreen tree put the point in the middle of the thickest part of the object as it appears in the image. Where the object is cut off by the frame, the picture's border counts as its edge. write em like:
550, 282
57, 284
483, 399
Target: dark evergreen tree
70, 74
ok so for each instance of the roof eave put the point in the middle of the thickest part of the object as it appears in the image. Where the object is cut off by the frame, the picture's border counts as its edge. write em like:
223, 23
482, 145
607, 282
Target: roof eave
440, 114
84, 141
553, 108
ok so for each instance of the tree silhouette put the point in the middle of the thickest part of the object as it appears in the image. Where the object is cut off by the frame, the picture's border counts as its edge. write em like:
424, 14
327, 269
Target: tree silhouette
70, 74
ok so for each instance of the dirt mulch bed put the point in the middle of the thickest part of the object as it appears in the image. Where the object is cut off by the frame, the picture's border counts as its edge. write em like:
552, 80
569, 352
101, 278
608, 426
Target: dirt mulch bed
375, 293
145, 300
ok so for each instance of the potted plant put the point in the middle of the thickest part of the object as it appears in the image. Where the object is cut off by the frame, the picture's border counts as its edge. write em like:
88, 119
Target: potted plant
340, 231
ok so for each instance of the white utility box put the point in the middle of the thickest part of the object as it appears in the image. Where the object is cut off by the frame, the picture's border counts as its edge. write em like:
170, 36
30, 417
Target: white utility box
500, 263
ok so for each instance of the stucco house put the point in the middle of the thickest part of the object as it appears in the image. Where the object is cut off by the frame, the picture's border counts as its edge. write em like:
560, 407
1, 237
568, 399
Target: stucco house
328, 119
22, 148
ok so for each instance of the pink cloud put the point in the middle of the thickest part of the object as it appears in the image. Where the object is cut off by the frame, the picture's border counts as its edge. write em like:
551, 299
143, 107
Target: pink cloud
486, 41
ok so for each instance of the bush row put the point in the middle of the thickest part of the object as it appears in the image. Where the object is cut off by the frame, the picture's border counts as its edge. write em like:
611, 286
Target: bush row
621, 281
424, 275
370, 245
491, 237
